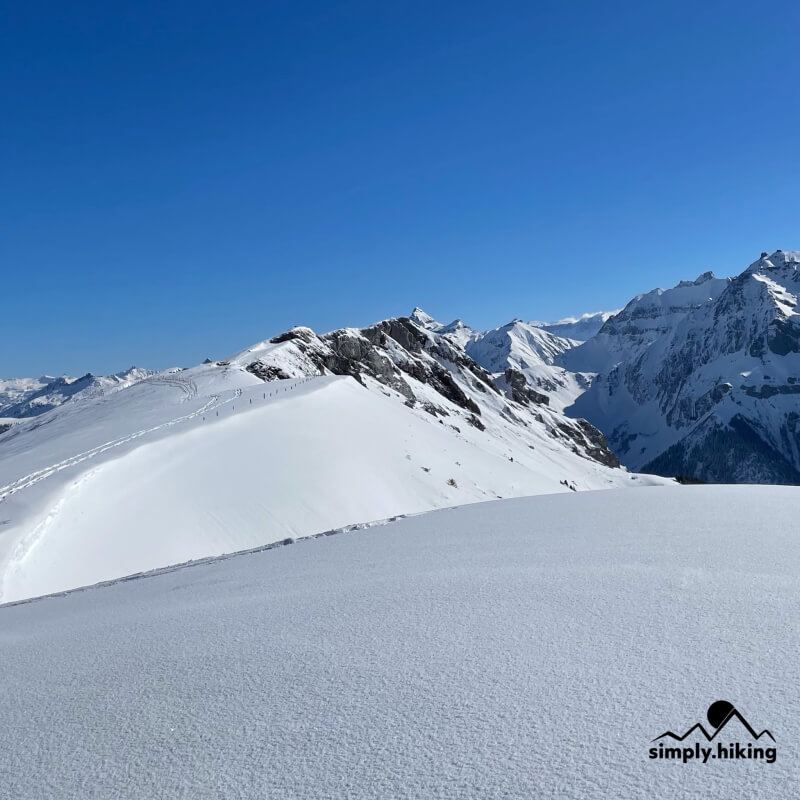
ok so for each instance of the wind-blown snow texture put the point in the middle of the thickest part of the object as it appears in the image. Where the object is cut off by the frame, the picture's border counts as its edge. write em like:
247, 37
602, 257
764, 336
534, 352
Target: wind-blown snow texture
520, 649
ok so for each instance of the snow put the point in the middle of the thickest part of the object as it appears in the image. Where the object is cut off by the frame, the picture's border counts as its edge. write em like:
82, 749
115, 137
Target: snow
579, 328
661, 359
14, 390
534, 352
778, 260
517, 649
425, 320
28, 397
199, 462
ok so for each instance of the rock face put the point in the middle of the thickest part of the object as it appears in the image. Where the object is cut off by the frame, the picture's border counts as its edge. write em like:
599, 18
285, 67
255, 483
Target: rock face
428, 367
703, 379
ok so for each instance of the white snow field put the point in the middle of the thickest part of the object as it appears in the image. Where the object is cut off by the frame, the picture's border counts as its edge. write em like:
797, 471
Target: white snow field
192, 463
517, 649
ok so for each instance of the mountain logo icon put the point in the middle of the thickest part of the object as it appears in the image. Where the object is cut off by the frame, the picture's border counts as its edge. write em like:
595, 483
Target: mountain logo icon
719, 714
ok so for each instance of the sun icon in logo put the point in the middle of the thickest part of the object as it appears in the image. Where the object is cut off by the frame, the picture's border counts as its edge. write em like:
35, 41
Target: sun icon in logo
720, 712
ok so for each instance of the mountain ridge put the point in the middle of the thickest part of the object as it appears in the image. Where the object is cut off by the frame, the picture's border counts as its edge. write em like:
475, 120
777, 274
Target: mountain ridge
700, 379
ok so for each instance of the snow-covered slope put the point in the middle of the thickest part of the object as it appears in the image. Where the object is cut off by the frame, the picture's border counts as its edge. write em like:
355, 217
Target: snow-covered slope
522, 349
577, 328
520, 649
223, 456
16, 390
703, 379
28, 397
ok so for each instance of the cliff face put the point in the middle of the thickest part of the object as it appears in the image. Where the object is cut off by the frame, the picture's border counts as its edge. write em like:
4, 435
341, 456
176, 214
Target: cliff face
703, 379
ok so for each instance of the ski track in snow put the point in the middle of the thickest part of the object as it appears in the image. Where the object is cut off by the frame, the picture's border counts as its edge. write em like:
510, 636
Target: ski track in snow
188, 388
123, 486
39, 475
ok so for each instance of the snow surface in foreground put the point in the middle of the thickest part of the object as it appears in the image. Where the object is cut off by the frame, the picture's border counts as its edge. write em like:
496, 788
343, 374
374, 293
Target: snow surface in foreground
209, 460
515, 649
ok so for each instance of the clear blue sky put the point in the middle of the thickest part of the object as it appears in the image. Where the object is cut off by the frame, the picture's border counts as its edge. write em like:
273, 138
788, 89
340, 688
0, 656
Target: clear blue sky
179, 180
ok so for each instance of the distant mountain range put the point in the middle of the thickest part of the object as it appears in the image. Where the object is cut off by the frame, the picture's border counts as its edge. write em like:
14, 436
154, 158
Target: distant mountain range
29, 397
701, 380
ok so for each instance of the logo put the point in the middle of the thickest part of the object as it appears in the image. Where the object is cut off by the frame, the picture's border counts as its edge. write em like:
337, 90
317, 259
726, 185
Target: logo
719, 714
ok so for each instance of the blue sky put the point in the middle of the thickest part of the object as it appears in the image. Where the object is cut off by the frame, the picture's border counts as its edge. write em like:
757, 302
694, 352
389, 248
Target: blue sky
180, 180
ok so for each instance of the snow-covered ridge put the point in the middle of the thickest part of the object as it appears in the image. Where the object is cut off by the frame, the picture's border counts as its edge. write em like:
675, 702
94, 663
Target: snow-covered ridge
303, 432
503, 379
293, 435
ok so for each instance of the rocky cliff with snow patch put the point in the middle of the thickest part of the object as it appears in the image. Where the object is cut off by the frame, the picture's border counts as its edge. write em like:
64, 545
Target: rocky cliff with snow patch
703, 379
425, 365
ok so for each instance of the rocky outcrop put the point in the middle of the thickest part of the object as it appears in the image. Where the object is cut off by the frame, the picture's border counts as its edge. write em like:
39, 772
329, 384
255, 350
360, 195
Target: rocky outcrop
426, 364
520, 390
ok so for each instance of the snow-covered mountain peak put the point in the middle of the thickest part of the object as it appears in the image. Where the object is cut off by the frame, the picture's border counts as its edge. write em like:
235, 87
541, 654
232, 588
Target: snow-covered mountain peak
702, 379
426, 320
458, 332
698, 281
521, 351
133, 373
455, 325
778, 260
517, 339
